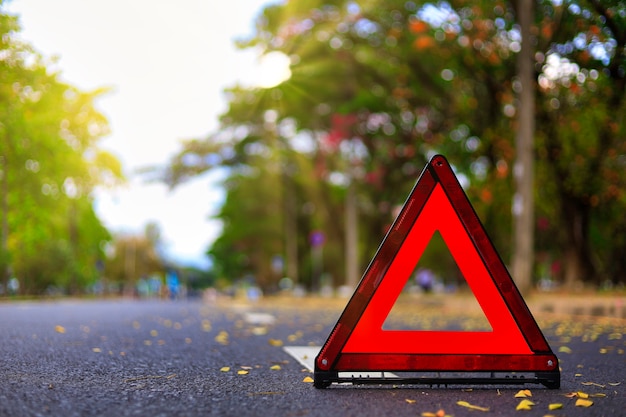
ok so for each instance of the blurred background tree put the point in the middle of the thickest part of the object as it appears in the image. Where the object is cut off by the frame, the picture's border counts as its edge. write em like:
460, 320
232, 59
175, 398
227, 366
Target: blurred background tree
132, 257
377, 87
51, 238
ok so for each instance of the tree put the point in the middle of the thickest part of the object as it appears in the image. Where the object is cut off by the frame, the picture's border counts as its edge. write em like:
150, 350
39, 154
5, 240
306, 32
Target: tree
404, 80
132, 257
49, 163
370, 91
582, 85
246, 248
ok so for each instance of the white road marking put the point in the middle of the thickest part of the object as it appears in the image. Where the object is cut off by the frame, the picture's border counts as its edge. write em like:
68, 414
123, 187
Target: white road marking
259, 318
305, 355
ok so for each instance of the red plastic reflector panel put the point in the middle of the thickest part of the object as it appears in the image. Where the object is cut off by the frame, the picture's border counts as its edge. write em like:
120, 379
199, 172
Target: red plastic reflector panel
359, 343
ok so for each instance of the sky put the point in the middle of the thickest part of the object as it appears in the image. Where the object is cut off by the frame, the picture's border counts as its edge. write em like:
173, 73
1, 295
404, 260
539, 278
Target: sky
167, 64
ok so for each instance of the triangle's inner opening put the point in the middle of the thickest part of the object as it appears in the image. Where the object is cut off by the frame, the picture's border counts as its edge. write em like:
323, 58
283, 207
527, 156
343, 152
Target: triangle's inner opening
436, 296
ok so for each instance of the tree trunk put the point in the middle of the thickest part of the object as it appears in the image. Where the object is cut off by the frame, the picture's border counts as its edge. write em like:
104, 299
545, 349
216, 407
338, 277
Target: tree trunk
291, 230
4, 225
352, 261
577, 264
523, 200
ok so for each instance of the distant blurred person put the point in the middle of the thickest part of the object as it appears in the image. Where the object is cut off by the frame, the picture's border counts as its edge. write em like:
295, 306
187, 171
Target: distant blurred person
173, 284
425, 279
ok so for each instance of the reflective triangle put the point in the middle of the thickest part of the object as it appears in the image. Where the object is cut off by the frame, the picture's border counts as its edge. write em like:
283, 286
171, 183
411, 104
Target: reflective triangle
358, 341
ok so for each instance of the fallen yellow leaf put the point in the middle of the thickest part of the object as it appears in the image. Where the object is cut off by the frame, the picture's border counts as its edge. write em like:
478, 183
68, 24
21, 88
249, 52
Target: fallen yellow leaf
410, 401
275, 367
523, 393
583, 403
593, 383
59, 329
96, 350
243, 372
555, 406
259, 331
222, 337
428, 414
581, 394
565, 349
307, 379
525, 405
225, 368
598, 395
275, 342
471, 406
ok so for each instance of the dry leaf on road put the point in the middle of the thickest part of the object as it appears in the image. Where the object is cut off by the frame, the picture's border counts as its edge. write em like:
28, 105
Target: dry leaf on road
581, 402
471, 406
525, 405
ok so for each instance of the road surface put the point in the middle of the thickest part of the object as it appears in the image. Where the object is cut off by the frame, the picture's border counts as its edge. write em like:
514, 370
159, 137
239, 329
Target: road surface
228, 358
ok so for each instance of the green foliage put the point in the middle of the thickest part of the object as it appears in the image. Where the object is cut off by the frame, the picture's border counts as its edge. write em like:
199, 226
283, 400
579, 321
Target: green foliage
254, 217
379, 86
197, 279
49, 165
582, 89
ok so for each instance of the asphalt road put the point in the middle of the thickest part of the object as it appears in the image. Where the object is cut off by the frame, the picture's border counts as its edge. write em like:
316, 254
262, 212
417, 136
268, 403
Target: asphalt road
189, 358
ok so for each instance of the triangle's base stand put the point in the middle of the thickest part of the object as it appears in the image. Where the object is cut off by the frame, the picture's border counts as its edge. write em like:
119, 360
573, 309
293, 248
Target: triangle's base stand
550, 380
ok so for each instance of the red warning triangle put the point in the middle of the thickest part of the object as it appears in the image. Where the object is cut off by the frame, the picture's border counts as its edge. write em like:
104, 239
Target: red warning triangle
358, 342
